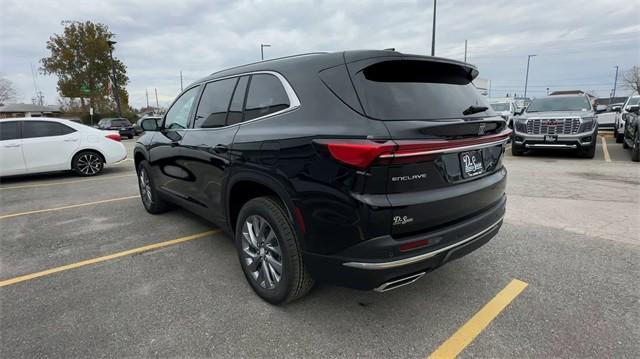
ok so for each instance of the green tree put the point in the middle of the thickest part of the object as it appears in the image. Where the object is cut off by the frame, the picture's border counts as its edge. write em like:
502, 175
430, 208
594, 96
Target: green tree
80, 59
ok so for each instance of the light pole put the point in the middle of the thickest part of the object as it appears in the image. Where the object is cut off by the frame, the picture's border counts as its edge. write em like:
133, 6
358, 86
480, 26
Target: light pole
262, 46
615, 82
113, 77
433, 31
526, 79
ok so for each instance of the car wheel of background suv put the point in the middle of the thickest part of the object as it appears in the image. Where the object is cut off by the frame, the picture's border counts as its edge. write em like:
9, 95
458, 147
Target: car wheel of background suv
269, 252
635, 150
150, 199
618, 136
517, 150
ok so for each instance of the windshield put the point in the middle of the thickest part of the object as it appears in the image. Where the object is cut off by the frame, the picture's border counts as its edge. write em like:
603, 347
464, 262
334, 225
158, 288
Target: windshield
500, 107
546, 104
633, 101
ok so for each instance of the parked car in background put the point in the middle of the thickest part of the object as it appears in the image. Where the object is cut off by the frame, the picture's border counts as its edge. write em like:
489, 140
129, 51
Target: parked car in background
339, 167
42, 144
631, 135
607, 117
138, 127
565, 122
505, 107
618, 131
122, 125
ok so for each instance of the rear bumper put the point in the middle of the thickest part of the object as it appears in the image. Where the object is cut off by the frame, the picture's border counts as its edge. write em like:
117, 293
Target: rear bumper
354, 268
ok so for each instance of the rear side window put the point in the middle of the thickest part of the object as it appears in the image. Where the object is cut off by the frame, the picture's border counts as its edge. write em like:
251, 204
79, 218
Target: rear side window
266, 96
212, 110
417, 90
31, 129
237, 102
9, 130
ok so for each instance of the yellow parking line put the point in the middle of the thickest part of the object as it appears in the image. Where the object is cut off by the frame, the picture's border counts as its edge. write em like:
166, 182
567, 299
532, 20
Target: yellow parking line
87, 262
470, 330
11, 215
605, 150
101, 178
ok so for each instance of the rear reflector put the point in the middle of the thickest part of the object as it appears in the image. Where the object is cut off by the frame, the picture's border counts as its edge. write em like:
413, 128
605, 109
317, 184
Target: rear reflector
362, 153
414, 245
114, 136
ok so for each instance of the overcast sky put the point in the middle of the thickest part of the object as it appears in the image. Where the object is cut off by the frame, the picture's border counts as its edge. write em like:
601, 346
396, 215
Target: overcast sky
578, 43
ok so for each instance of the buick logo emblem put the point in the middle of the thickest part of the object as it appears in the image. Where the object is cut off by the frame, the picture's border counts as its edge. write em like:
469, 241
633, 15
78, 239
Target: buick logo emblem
481, 129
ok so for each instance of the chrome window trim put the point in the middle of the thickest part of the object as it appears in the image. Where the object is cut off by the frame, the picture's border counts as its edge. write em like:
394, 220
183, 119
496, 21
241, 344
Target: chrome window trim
421, 257
294, 101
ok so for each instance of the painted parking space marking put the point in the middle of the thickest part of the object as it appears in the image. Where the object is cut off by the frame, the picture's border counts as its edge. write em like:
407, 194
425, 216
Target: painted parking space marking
19, 214
109, 257
605, 150
472, 328
101, 178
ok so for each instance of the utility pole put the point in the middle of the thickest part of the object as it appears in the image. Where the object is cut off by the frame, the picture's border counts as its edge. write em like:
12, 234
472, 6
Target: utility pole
147, 93
114, 80
615, 82
433, 31
262, 46
465, 50
181, 81
526, 80
157, 105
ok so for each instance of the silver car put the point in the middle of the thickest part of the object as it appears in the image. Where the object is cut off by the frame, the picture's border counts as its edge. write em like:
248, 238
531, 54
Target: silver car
565, 122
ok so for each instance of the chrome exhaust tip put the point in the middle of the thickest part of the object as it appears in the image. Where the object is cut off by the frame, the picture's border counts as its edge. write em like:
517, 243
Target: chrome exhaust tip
397, 283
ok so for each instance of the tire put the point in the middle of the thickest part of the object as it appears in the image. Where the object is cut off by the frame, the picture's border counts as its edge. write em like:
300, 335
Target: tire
129, 136
516, 150
619, 136
588, 152
87, 163
274, 245
151, 200
635, 150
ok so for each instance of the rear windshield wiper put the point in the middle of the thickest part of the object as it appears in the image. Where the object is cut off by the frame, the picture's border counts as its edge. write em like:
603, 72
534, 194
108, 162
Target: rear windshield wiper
474, 109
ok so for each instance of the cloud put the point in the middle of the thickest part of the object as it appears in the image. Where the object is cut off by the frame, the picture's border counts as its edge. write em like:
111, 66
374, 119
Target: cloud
577, 45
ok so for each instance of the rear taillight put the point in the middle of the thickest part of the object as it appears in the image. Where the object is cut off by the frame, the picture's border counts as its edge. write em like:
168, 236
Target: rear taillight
114, 136
362, 153
358, 153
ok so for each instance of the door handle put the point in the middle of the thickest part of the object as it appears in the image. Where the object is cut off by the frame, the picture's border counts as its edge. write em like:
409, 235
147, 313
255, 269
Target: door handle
71, 140
220, 148
13, 145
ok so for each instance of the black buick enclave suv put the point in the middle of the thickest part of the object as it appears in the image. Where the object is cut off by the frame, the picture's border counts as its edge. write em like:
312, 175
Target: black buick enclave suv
365, 169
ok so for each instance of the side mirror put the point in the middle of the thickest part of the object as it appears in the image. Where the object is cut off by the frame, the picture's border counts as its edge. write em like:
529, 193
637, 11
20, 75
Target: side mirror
616, 108
634, 108
149, 124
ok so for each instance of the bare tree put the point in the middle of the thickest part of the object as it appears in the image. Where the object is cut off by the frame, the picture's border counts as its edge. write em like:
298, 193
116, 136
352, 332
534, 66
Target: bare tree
631, 79
7, 90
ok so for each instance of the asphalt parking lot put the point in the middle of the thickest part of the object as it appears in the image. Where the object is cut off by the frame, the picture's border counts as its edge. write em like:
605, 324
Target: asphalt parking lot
86, 272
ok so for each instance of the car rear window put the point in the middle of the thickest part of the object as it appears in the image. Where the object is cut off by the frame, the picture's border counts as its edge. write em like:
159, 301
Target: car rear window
120, 123
417, 90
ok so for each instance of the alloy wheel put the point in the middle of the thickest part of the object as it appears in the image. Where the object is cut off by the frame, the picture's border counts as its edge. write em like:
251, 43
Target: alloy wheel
89, 164
261, 252
145, 187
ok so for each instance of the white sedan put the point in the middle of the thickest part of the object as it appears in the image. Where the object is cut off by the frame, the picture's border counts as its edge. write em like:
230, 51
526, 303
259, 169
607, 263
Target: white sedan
42, 144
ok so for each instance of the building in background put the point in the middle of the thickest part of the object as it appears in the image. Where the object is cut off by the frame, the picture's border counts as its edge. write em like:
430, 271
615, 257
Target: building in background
11, 110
